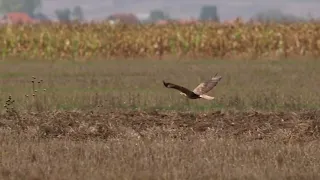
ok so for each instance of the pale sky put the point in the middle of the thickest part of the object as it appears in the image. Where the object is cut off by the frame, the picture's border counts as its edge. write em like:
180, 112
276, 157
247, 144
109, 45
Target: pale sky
227, 9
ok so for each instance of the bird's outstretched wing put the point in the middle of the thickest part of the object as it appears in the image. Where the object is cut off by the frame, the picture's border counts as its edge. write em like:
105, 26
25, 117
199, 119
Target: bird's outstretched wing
205, 87
177, 87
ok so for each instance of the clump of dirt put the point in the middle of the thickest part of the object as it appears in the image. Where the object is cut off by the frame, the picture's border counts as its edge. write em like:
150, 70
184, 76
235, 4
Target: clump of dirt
288, 126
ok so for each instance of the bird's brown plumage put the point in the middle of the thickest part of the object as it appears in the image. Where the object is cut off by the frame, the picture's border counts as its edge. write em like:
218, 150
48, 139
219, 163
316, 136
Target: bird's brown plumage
179, 88
201, 89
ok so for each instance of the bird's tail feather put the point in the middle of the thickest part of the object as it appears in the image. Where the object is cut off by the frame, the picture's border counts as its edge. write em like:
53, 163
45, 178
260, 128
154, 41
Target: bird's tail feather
204, 96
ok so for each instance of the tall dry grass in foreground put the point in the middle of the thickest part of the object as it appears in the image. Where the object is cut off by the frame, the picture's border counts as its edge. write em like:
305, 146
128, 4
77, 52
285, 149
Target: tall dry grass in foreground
158, 145
91, 41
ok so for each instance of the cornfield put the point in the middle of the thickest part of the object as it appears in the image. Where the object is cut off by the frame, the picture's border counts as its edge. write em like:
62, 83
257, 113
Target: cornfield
87, 41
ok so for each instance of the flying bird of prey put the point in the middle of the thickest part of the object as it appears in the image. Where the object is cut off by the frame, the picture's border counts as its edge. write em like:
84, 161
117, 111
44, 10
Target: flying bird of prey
199, 91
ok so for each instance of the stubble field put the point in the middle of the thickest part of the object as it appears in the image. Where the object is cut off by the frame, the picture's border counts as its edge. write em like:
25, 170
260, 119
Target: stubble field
115, 120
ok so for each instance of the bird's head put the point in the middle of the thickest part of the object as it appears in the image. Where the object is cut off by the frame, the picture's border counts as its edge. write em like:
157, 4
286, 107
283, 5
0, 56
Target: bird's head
165, 84
168, 85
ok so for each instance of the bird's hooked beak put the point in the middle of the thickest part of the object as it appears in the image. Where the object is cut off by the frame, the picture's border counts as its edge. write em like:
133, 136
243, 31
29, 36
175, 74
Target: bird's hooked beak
165, 83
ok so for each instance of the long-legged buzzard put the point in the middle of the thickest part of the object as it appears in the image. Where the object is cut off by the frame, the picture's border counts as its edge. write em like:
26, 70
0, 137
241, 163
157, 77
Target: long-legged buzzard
199, 91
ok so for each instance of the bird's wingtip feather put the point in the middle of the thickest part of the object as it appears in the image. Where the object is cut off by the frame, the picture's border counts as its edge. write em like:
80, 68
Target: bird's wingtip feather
216, 76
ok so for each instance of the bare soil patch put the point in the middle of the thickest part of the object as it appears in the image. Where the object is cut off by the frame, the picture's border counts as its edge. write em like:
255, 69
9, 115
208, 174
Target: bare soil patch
160, 145
78, 125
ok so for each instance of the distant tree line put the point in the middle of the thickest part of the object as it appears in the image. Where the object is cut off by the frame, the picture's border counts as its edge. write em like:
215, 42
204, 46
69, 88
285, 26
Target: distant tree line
276, 15
67, 15
207, 12
30, 7
33, 7
210, 13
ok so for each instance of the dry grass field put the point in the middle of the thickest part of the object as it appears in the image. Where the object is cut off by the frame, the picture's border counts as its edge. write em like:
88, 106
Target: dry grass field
115, 120
260, 85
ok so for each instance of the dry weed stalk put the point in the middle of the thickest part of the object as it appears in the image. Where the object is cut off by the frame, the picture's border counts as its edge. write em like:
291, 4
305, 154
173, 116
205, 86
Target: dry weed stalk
9, 106
39, 100
11, 111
